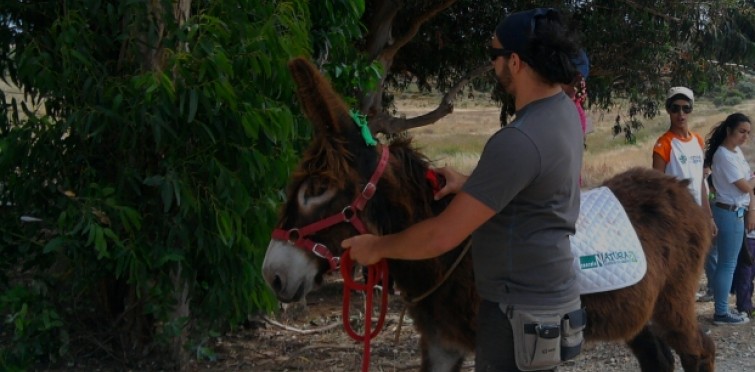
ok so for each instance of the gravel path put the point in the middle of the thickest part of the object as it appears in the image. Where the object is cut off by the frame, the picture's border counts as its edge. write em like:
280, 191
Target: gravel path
325, 346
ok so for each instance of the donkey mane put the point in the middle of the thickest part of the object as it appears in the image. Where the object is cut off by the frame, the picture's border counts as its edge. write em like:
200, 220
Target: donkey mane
412, 182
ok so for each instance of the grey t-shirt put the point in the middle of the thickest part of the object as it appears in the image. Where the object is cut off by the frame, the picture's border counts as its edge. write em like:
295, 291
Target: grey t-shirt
529, 174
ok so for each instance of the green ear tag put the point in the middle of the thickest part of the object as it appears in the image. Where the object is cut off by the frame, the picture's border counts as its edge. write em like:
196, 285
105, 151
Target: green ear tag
361, 121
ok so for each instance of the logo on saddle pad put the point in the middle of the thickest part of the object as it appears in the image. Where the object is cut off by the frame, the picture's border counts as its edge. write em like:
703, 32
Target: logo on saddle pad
606, 259
607, 252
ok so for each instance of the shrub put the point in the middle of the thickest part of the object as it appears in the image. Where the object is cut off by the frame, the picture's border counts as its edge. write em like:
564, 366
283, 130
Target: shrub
747, 88
151, 154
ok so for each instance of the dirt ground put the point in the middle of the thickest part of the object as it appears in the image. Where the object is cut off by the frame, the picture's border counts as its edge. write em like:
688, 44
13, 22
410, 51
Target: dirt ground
312, 338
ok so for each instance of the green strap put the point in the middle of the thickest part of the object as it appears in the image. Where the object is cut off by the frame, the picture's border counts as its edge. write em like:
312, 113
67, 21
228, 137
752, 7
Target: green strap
361, 121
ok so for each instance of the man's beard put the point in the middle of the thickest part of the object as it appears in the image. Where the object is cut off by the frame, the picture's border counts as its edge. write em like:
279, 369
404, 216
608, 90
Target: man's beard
505, 79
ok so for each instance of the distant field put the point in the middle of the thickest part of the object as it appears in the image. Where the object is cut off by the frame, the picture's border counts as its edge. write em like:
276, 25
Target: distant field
457, 139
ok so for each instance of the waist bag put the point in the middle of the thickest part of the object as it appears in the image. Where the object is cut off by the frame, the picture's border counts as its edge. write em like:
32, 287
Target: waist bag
546, 336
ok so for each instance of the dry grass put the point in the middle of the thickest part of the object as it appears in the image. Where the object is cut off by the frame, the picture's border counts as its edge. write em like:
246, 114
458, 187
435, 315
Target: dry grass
458, 139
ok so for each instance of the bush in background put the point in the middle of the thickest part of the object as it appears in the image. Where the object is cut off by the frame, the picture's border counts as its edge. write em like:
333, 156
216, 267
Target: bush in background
743, 90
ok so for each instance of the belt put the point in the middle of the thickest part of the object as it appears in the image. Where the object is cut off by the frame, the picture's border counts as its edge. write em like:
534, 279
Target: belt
728, 207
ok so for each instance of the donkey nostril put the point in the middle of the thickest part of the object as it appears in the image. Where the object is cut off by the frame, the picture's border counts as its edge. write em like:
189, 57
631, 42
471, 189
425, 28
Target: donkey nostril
277, 284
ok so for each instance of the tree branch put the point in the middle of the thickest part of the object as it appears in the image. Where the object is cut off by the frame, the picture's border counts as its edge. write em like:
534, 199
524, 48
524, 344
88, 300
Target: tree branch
451, 95
303, 331
379, 27
391, 51
651, 11
388, 124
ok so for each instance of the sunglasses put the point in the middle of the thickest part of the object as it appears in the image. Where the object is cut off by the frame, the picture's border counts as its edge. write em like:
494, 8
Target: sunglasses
498, 52
675, 109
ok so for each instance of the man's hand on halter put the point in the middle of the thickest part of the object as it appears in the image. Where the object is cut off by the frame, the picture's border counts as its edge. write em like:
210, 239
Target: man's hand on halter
363, 249
454, 181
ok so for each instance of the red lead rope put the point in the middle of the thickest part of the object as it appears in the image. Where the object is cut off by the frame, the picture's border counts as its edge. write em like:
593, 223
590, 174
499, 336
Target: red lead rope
375, 272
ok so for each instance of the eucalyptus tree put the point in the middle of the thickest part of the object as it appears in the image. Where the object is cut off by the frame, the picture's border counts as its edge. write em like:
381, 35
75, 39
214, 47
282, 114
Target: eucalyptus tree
141, 168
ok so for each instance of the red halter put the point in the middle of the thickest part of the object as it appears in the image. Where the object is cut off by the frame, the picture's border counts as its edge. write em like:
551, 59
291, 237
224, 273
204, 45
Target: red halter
298, 236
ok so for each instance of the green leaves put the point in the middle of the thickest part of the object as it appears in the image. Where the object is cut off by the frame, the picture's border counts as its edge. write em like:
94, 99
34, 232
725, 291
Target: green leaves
96, 237
35, 325
193, 102
360, 75
154, 151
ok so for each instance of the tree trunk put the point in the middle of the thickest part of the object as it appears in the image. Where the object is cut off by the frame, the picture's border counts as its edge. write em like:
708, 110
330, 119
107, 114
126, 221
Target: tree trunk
381, 46
152, 52
182, 311
181, 286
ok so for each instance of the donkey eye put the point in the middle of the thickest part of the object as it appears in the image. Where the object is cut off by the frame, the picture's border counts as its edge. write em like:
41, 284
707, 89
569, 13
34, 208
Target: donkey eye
314, 193
313, 188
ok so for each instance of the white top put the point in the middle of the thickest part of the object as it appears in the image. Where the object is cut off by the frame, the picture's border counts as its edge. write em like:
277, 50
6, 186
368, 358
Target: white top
684, 159
728, 167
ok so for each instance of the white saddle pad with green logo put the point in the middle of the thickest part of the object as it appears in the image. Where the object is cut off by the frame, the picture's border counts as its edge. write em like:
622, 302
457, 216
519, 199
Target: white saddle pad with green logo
607, 252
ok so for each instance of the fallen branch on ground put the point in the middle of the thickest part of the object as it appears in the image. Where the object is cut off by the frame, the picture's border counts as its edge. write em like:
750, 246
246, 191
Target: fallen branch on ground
302, 331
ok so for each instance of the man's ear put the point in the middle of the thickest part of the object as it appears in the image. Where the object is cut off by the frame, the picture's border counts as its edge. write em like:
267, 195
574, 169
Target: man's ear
516, 62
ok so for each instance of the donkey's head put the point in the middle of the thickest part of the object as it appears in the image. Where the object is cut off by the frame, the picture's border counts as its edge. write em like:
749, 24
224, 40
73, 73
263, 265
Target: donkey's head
327, 194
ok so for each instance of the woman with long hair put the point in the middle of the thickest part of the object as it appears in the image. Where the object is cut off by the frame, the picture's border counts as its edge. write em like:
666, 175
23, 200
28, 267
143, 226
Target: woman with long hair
732, 209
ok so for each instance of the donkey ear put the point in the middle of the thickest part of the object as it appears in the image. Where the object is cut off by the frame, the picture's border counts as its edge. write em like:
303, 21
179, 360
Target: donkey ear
323, 106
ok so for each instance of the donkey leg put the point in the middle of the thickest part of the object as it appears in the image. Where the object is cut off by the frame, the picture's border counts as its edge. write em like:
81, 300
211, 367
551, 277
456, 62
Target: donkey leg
701, 363
677, 319
652, 352
437, 358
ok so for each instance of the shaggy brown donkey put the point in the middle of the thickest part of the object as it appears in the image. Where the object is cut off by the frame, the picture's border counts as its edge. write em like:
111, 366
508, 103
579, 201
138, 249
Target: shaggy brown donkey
653, 316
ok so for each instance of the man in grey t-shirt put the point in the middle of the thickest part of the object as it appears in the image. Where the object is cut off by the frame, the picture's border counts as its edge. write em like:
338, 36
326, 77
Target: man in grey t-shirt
522, 253
522, 200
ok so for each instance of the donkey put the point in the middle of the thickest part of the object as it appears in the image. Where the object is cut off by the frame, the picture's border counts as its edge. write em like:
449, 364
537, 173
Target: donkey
343, 187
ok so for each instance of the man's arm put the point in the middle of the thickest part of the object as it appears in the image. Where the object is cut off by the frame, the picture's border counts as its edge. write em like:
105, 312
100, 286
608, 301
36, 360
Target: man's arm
658, 163
426, 239
704, 198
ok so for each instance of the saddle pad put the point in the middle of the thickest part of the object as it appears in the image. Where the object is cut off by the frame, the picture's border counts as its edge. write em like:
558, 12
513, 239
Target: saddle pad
607, 252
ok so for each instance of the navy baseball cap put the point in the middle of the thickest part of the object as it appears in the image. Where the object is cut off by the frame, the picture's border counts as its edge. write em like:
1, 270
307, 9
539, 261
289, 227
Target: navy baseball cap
515, 31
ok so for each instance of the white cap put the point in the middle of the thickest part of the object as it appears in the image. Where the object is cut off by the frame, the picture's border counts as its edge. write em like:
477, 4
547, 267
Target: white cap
683, 91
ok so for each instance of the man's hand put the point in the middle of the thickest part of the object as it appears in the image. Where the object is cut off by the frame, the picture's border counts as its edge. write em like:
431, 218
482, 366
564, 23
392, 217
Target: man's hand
454, 182
363, 249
